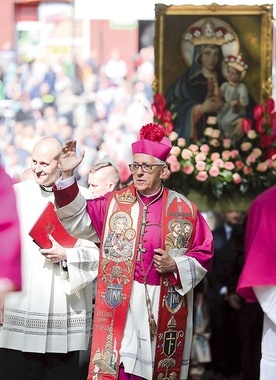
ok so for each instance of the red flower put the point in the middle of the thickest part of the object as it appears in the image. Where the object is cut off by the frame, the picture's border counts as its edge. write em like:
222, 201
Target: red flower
169, 127
272, 121
258, 112
269, 106
270, 152
265, 141
159, 101
167, 116
157, 110
246, 125
259, 125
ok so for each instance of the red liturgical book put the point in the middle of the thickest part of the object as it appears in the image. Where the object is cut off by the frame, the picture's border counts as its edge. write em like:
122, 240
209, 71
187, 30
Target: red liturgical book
47, 224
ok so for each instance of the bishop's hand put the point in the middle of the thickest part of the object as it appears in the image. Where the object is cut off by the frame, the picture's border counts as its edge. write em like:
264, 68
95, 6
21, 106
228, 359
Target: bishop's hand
163, 262
69, 160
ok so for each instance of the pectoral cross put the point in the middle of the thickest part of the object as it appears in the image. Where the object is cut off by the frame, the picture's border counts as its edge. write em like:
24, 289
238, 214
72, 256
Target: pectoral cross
141, 250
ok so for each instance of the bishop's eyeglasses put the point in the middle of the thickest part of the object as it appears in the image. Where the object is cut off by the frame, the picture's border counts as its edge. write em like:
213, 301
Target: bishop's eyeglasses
146, 168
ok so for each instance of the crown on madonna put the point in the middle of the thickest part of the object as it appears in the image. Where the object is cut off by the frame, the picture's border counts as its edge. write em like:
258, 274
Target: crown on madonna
208, 34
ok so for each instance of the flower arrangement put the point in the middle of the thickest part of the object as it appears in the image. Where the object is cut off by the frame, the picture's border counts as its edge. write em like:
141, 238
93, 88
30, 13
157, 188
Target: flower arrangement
222, 168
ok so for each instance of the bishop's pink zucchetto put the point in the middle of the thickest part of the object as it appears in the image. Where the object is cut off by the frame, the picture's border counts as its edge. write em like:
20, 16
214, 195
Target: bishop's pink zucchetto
153, 141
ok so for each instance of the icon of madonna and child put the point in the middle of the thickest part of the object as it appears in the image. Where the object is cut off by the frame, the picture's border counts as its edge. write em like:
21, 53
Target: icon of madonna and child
213, 83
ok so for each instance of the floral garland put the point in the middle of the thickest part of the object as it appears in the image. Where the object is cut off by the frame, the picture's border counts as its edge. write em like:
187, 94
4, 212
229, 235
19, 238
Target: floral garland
221, 167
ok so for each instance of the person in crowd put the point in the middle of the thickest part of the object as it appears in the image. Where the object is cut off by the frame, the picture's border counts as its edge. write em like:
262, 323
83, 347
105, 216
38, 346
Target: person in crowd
144, 307
49, 321
102, 178
10, 253
223, 302
257, 279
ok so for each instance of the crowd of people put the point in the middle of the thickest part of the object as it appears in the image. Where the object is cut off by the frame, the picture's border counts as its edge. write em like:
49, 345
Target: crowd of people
45, 111
81, 100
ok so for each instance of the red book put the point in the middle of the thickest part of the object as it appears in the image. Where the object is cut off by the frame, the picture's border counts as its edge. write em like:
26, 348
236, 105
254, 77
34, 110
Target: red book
47, 224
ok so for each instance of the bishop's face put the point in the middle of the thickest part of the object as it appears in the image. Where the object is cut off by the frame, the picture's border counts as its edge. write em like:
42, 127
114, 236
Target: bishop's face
148, 183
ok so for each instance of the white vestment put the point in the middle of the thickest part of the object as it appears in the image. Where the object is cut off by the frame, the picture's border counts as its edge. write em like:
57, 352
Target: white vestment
53, 312
267, 298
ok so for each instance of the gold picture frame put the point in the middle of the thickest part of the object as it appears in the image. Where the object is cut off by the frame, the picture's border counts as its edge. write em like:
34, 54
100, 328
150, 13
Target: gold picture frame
198, 51
253, 26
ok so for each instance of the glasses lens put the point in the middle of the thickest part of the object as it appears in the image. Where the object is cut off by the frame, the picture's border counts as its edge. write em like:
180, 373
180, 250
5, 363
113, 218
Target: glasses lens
133, 167
147, 168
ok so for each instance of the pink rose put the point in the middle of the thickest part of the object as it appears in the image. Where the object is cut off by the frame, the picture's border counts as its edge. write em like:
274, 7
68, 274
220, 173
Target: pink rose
175, 167
269, 163
188, 169
175, 151
200, 157
234, 153
219, 163
204, 148
227, 143
172, 159
226, 154
257, 152
250, 159
202, 176
237, 178
247, 170
262, 167
215, 156
173, 136
186, 154
239, 165
193, 148
201, 165
229, 165
214, 171
181, 142
246, 146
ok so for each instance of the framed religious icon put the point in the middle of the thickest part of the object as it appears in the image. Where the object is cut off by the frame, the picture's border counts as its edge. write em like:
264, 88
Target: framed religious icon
213, 66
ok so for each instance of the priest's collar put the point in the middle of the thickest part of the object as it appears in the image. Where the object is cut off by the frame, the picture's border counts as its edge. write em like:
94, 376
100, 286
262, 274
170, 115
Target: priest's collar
149, 198
48, 189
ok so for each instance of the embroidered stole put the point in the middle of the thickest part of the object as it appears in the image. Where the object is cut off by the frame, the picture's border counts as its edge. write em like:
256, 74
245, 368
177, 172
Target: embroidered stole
173, 308
119, 248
